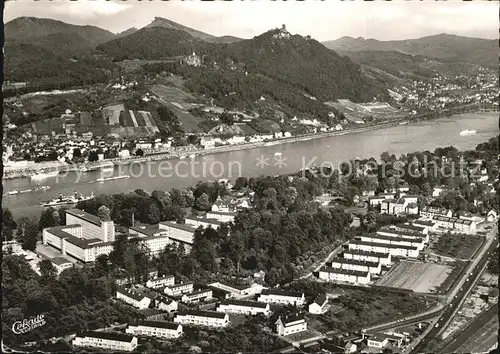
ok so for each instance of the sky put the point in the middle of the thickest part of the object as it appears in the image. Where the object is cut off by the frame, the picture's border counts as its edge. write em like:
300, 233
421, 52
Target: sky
322, 20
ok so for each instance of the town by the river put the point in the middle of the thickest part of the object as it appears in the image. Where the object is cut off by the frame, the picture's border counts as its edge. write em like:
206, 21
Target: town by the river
271, 160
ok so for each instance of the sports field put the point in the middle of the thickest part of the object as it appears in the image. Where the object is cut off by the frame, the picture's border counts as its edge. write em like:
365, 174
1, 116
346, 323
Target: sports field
417, 276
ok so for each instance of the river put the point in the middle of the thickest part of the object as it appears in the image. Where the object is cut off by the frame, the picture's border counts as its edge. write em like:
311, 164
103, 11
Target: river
420, 136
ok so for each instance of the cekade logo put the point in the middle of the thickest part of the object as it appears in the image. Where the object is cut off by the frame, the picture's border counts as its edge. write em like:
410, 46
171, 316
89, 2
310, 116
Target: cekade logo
24, 326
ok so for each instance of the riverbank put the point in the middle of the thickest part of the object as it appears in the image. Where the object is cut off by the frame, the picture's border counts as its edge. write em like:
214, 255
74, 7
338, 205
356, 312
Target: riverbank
46, 167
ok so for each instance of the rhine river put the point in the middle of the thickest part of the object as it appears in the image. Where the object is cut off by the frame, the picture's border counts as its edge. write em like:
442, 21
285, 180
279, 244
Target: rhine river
294, 156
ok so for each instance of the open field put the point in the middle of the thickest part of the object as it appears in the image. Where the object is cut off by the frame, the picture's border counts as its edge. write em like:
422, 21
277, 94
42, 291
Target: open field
301, 336
457, 246
417, 276
178, 101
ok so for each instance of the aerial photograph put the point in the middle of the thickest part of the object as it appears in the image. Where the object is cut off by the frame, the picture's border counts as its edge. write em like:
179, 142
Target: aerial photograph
250, 177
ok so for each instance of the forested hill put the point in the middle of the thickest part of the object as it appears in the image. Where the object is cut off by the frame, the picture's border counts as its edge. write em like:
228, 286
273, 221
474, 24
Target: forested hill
443, 47
33, 30
273, 63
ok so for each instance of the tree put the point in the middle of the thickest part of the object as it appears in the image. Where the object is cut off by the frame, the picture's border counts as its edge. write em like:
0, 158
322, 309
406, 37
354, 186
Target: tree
47, 269
139, 152
47, 219
27, 234
8, 225
203, 203
77, 153
93, 156
370, 221
103, 213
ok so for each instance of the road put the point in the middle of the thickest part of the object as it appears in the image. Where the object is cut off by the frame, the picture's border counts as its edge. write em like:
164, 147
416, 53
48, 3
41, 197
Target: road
460, 292
480, 333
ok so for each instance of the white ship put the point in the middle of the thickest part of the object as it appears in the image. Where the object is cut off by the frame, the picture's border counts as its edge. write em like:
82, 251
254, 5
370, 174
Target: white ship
277, 154
403, 123
43, 175
112, 178
192, 156
182, 157
467, 132
65, 200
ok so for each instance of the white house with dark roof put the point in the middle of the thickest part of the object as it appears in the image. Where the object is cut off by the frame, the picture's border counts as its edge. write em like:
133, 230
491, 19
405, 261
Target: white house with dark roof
165, 304
330, 274
160, 282
352, 264
179, 233
179, 289
202, 318
151, 237
106, 341
203, 222
61, 263
276, 296
133, 298
196, 296
244, 307
221, 216
382, 258
92, 226
290, 325
238, 291
492, 215
158, 329
430, 212
418, 242
319, 305
394, 250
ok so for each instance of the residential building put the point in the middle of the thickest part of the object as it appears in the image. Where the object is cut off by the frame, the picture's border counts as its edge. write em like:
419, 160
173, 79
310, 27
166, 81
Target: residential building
428, 224
203, 222
165, 304
282, 297
344, 275
417, 242
201, 295
61, 263
430, 212
491, 216
179, 233
151, 237
406, 234
179, 289
158, 329
319, 305
244, 307
160, 282
207, 142
352, 264
455, 223
382, 258
377, 341
106, 341
133, 298
221, 216
202, 318
394, 250
409, 228
400, 206
290, 324
238, 291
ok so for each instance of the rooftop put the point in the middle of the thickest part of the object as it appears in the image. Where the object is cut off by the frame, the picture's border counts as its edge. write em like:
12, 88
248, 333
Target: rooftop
380, 244
130, 293
354, 262
321, 299
202, 314
84, 216
108, 335
394, 238
158, 324
344, 271
146, 229
368, 253
261, 305
281, 293
179, 226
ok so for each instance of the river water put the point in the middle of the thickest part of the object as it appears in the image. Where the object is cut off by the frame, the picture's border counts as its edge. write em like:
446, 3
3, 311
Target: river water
294, 156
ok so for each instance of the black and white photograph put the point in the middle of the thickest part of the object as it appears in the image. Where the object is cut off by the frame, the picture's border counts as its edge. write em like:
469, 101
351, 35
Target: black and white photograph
250, 177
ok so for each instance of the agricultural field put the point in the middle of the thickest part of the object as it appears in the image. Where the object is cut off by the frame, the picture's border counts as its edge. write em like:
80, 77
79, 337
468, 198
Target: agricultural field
179, 102
417, 276
457, 246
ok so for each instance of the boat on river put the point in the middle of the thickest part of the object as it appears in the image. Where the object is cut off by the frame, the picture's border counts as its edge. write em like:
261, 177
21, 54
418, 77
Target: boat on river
44, 175
65, 200
112, 178
467, 132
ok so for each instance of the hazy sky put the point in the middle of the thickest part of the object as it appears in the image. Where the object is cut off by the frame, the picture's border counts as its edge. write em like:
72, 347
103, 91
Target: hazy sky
322, 20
